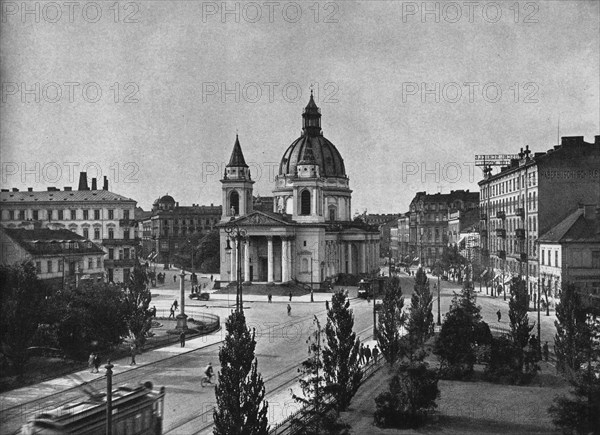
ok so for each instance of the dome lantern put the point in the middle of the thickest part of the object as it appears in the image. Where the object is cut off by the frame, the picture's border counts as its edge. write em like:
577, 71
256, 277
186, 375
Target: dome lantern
311, 118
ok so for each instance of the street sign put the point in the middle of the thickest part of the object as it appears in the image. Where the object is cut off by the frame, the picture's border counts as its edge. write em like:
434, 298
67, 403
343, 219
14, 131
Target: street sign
494, 159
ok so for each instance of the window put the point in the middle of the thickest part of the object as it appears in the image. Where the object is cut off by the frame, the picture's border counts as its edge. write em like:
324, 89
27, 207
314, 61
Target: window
60, 265
111, 214
22, 215
126, 253
90, 263
305, 203
556, 258
86, 214
11, 215
61, 215
35, 215
126, 234
234, 201
73, 215
49, 266
111, 254
111, 233
126, 214
331, 213
96, 233
97, 215
98, 262
305, 265
86, 233
543, 256
38, 267
49, 215
596, 260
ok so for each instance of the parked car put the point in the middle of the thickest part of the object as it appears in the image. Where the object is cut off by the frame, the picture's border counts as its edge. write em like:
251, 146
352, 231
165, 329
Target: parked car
200, 296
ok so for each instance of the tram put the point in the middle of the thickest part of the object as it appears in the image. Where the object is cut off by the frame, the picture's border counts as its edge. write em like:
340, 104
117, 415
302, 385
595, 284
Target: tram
135, 411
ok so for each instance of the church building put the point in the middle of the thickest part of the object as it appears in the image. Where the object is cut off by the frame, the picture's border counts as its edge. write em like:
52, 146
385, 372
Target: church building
310, 235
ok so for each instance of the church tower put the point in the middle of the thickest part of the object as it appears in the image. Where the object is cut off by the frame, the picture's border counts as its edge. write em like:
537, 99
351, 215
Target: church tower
236, 185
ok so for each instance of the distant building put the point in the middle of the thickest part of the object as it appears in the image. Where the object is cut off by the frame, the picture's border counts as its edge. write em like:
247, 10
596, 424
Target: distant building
529, 197
570, 253
62, 258
429, 222
169, 226
98, 215
404, 252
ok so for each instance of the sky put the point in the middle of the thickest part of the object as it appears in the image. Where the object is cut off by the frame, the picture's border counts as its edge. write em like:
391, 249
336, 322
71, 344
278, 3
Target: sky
152, 93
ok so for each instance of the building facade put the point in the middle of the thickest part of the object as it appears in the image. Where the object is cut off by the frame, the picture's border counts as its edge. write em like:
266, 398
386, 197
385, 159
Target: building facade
428, 223
530, 196
62, 258
105, 218
309, 235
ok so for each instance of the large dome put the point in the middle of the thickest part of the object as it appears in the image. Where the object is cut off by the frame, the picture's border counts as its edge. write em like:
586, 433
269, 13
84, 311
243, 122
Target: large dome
312, 147
325, 155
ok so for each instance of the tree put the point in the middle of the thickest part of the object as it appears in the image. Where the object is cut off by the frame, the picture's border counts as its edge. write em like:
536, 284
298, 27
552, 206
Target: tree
137, 300
579, 412
519, 321
22, 301
341, 356
459, 336
420, 324
412, 394
209, 256
315, 392
391, 320
240, 393
572, 332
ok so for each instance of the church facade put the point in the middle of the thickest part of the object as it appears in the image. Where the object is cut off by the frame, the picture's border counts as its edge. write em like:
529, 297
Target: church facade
309, 236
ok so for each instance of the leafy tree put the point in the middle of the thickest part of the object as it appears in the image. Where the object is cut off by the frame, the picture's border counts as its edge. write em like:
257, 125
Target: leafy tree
579, 412
519, 319
391, 320
459, 336
318, 417
209, 255
572, 332
341, 356
412, 394
22, 301
91, 316
420, 324
137, 300
240, 393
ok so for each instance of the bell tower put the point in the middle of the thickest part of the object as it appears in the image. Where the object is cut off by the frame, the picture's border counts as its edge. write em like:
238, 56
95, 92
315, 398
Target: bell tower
236, 185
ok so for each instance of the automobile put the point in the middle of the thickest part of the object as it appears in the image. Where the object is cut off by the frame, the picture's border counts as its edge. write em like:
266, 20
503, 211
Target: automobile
364, 290
200, 296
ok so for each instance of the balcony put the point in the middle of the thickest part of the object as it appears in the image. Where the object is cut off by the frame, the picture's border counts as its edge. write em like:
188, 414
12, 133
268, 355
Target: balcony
520, 212
124, 262
523, 256
501, 232
118, 242
520, 233
501, 215
501, 254
127, 223
483, 216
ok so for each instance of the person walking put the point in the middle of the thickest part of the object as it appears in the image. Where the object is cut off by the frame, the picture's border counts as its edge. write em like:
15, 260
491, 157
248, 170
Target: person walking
290, 296
361, 354
182, 338
211, 278
545, 351
375, 353
132, 352
289, 310
91, 362
172, 312
367, 354
499, 314
96, 363
175, 305
174, 278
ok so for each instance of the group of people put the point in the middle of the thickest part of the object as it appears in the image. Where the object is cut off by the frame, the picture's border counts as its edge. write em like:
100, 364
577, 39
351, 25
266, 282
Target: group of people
365, 353
174, 307
94, 362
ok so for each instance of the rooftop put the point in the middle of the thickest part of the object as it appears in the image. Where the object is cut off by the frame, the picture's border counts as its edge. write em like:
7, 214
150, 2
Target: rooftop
54, 196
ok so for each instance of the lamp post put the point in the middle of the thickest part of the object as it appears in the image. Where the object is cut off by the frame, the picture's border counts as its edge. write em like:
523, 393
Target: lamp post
109, 373
439, 311
237, 234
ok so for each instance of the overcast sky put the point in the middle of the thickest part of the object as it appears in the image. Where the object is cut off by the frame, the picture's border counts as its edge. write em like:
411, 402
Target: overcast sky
178, 79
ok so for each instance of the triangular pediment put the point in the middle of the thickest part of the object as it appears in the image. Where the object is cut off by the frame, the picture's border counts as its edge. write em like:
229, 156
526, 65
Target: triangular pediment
259, 218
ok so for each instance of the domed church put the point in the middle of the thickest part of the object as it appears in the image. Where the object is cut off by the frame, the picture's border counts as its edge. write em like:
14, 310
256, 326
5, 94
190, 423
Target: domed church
309, 236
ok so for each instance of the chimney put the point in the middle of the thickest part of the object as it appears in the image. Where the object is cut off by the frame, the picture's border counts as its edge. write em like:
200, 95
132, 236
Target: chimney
105, 186
15, 189
94, 185
68, 188
83, 181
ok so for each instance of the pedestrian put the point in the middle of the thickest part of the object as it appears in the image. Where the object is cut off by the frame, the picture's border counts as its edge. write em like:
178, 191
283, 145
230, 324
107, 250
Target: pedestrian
375, 353
270, 297
153, 311
132, 351
290, 296
96, 363
499, 314
91, 362
361, 354
327, 305
289, 310
546, 351
172, 312
367, 354
174, 278
175, 304
211, 278
182, 338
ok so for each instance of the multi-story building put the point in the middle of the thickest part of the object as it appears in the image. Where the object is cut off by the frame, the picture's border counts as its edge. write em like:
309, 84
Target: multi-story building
530, 196
101, 216
385, 223
62, 258
570, 253
169, 226
459, 221
428, 222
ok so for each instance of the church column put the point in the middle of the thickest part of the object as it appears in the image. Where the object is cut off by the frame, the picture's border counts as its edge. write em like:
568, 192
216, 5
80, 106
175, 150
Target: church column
233, 260
247, 276
315, 193
363, 254
285, 270
349, 248
270, 259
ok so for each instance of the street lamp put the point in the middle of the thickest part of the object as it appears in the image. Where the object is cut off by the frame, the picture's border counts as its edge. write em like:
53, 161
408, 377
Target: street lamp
237, 234
109, 374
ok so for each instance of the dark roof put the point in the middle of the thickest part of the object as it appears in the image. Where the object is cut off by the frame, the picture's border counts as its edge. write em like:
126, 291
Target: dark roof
574, 228
62, 196
237, 157
463, 195
314, 149
44, 241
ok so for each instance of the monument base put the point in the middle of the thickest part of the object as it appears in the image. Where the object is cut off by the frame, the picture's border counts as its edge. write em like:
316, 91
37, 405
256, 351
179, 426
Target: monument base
181, 322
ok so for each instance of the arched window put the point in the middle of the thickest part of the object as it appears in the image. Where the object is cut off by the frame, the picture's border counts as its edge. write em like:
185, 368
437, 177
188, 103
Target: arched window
331, 213
304, 265
305, 203
234, 201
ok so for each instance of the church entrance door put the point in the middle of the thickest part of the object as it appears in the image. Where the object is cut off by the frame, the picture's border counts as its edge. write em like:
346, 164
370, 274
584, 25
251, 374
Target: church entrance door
263, 271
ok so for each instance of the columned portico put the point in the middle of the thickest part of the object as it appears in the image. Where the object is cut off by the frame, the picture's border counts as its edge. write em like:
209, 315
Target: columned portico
363, 254
270, 262
247, 276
